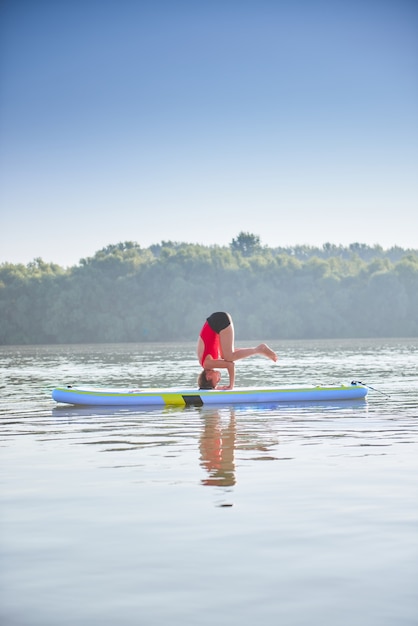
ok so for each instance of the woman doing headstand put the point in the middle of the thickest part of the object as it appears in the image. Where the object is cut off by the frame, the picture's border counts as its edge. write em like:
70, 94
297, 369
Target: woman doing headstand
215, 348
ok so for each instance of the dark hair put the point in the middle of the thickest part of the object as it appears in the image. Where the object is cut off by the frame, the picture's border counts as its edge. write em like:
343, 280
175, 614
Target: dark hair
203, 382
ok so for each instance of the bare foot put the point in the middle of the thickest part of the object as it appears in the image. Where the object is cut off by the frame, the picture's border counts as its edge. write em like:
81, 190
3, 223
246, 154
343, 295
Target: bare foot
266, 351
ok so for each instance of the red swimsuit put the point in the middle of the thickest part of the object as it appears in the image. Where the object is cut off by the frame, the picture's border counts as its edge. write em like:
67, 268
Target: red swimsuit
214, 324
211, 340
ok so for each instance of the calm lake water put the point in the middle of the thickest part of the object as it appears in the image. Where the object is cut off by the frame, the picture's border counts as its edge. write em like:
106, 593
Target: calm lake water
293, 515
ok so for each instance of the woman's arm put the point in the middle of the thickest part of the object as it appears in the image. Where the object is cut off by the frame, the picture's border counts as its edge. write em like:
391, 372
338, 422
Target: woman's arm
221, 363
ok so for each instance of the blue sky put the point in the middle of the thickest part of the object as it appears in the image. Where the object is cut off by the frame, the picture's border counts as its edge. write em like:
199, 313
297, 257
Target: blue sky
194, 120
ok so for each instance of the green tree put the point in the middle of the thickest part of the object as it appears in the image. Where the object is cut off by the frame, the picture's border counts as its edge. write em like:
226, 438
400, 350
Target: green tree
163, 293
246, 243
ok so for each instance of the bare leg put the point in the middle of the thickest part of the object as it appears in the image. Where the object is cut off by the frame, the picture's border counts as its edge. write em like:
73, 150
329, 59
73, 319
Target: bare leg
229, 353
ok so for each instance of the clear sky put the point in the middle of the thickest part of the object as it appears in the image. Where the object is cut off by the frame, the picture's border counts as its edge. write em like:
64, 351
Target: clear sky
192, 120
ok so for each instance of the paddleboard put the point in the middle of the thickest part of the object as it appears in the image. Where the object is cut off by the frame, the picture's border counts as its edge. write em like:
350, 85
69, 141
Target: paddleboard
101, 396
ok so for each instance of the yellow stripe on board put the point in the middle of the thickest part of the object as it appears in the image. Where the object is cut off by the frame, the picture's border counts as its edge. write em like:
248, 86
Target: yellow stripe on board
173, 399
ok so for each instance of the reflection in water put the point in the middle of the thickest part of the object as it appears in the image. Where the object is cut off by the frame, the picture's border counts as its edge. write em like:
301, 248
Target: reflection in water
220, 439
116, 494
217, 445
213, 430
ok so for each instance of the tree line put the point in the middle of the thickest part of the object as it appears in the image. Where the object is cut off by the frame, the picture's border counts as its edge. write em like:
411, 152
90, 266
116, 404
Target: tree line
125, 293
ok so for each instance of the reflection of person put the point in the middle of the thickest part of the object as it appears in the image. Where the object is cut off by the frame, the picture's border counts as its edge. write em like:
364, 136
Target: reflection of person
215, 348
220, 440
217, 445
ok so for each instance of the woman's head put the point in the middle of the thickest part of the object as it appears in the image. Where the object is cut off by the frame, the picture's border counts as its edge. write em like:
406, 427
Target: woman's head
208, 379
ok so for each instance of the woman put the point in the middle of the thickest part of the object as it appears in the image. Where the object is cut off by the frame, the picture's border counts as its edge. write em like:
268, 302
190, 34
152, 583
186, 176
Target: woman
215, 348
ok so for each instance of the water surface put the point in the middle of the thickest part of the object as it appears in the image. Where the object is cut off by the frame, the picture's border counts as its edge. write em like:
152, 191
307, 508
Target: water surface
292, 514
